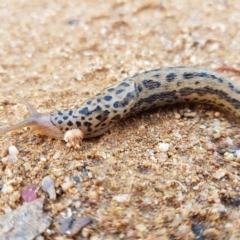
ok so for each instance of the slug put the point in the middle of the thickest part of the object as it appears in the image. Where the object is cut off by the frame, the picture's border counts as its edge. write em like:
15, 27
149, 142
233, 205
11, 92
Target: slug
149, 89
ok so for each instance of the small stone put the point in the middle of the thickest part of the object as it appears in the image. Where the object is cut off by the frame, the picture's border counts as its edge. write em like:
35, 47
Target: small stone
43, 158
228, 156
67, 185
76, 178
236, 202
190, 114
72, 225
177, 116
141, 227
198, 230
220, 173
48, 187
56, 155
13, 151
122, 198
217, 114
93, 195
211, 233
26, 222
29, 194
163, 147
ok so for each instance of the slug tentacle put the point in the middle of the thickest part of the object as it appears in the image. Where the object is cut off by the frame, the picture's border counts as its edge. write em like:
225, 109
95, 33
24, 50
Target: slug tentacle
40, 123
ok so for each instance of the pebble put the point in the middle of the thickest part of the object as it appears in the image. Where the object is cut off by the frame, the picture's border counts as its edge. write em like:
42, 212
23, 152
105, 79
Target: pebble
67, 185
56, 155
26, 222
220, 173
43, 158
122, 198
163, 147
48, 187
93, 195
72, 225
236, 202
13, 151
228, 156
29, 194
211, 233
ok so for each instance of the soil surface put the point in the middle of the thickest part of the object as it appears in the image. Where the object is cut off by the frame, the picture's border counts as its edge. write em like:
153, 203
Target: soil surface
169, 173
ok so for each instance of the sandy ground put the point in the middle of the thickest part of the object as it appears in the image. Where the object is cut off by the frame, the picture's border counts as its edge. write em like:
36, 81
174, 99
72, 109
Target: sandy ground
56, 54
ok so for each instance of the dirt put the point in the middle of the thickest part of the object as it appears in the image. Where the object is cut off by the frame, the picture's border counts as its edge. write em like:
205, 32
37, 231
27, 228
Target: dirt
169, 173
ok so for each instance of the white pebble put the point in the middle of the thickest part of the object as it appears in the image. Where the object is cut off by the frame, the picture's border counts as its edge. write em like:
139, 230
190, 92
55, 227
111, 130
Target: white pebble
228, 156
43, 158
67, 185
56, 155
163, 147
220, 173
238, 153
48, 187
122, 198
13, 151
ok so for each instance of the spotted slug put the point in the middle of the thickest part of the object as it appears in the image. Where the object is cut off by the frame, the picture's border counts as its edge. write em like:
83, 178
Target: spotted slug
149, 89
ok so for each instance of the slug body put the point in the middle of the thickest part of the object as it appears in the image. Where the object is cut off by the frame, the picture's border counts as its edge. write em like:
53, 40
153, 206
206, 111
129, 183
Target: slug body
140, 92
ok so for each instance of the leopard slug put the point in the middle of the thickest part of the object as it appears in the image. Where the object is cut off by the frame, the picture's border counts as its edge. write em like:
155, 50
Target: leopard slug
154, 88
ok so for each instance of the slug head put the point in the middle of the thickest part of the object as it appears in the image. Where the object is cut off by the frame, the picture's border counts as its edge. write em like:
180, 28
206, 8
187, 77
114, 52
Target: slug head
40, 123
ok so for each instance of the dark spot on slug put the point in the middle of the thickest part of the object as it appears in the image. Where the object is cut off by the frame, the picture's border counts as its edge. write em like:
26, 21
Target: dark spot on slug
66, 129
203, 74
107, 106
89, 130
65, 117
117, 117
90, 119
56, 118
178, 84
119, 91
78, 123
60, 113
188, 75
104, 124
106, 112
89, 102
69, 123
99, 117
84, 111
230, 86
124, 84
75, 116
70, 112
150, 84
197, 82
107, 98
110, 89
139, 88
82, 118
157, 75
98, 100
117, 104
60, 121
220, 80
87, 124
170, 77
